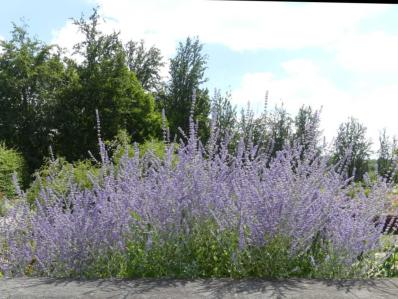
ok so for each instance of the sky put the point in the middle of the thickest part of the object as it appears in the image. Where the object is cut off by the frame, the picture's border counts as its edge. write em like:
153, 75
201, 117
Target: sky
338, 56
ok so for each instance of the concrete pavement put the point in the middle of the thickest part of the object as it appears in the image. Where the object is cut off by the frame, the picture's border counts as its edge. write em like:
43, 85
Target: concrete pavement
198, 288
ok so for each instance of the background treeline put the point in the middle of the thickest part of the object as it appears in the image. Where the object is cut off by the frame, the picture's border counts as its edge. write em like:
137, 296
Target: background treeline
49, 98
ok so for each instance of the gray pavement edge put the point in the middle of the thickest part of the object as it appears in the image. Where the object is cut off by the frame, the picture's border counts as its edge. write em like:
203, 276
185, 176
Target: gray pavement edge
199, 288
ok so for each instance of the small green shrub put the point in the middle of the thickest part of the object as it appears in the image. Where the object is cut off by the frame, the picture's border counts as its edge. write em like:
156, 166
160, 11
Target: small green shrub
122, 141
117, 146
10, 161
158, 148
56, 175
389, 266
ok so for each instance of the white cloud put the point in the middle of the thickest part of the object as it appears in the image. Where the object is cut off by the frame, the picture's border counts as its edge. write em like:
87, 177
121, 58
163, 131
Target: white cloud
302, 84
238, 25
371, 52
378, 107
69, 34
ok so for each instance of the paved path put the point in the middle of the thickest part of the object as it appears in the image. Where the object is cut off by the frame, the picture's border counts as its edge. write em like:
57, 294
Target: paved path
176, 289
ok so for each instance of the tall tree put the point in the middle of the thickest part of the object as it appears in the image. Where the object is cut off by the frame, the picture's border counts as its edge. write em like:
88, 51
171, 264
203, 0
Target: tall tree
351, 141
387, 154
280, 127
145, 64
307, 132
102, 81
254, 130
251, 128
225, 113
187, 74
31, 73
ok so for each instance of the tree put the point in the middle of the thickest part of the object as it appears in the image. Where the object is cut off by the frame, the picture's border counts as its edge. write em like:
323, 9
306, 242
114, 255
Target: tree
102, 81
145, 64
386, 153
187, 74
280, 127
223, 117
224, 112
253, 130
307, 131
31, 73
351, 141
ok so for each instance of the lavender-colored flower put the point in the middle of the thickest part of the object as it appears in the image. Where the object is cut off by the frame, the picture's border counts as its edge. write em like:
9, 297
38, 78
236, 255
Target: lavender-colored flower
294, 195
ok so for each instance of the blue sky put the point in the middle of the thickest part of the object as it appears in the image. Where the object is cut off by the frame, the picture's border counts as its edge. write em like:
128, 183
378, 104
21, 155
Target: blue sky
339, 56
42, 16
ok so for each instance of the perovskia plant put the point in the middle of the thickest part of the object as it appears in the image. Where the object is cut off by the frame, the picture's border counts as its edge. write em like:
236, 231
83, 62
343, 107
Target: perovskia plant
136, 209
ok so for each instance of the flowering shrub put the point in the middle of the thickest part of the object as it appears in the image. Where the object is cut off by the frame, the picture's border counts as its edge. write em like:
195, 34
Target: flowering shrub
208, 214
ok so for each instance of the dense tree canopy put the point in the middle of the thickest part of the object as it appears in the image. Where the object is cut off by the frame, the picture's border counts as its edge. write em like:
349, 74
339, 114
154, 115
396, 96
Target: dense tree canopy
31, 74
102, 81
